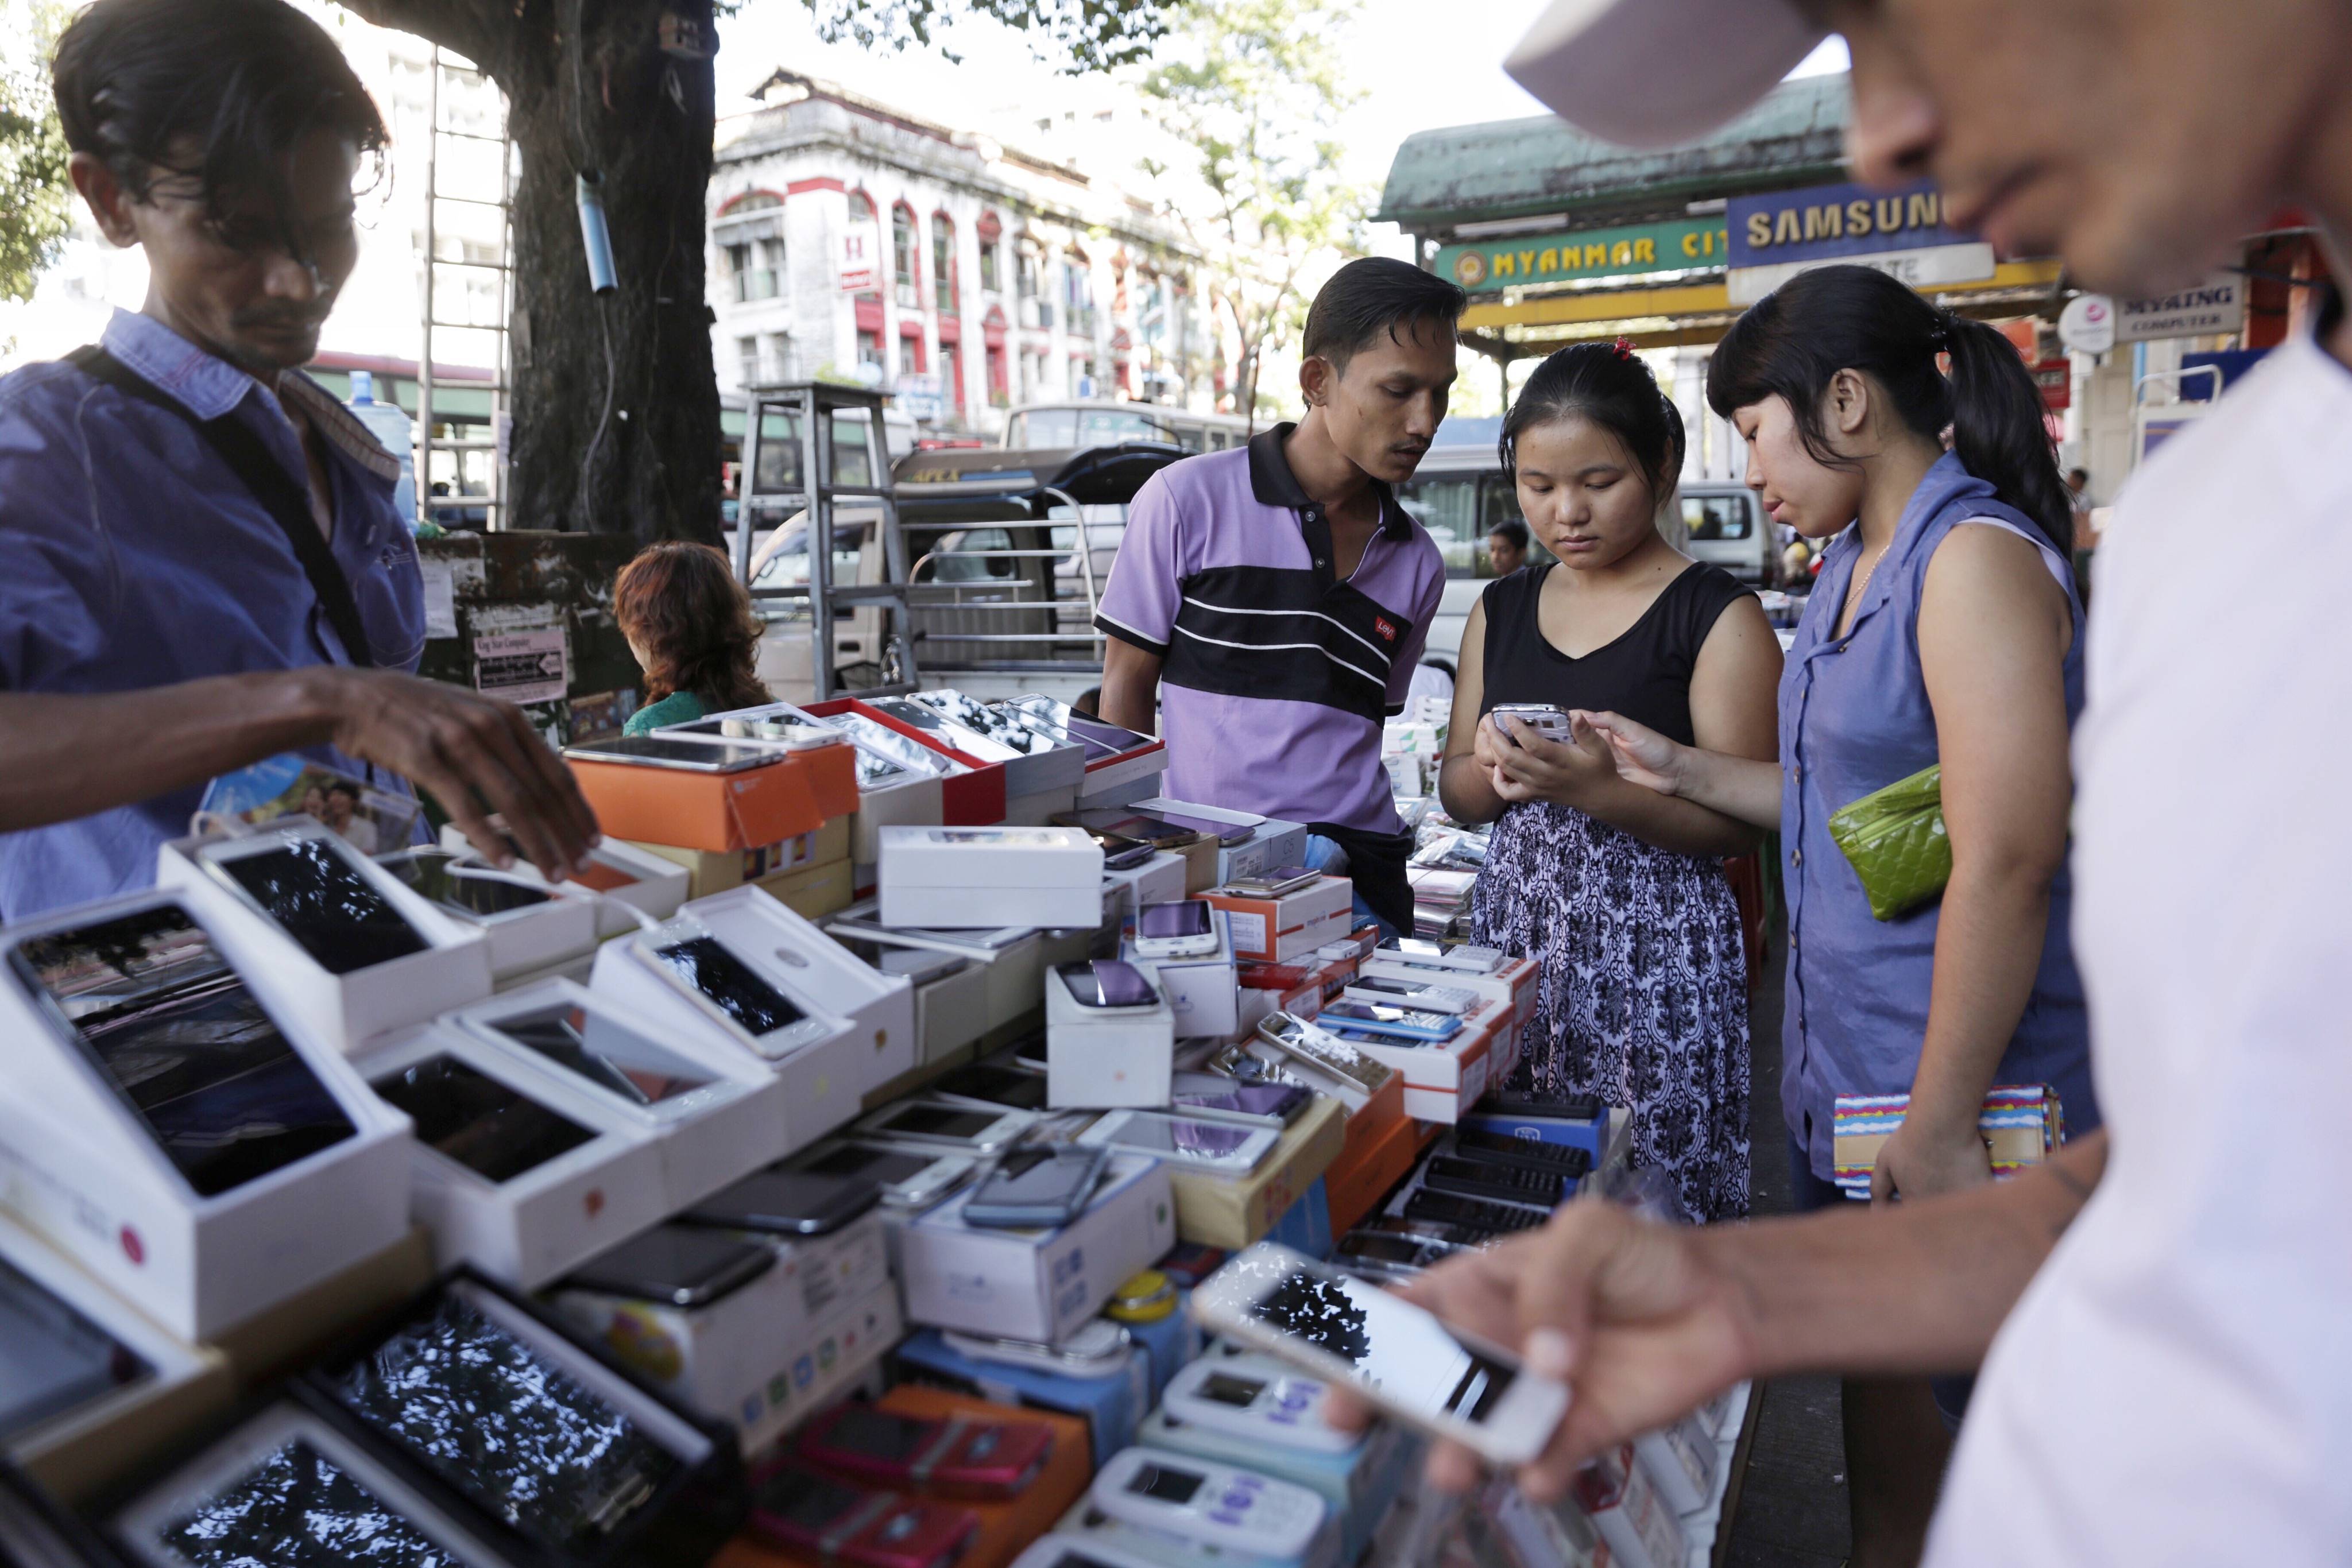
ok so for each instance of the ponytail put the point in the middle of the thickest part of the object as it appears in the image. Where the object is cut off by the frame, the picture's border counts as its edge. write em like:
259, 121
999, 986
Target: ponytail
1793, 341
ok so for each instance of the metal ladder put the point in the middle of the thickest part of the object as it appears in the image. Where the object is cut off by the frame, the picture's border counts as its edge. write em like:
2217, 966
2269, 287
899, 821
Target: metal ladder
476, 91
809, 408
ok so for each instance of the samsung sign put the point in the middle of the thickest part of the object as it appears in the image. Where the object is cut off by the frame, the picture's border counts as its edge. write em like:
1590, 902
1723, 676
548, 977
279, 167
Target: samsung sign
1900, 233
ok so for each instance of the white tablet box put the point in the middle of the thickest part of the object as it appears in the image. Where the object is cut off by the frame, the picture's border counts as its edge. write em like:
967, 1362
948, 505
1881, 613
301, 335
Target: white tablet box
1444, 1078
539, 1223
764, 1354
74, 1449
538, 936
880, 1008
824, 1079
970, 877
347, 1009
1159, 880
709, 1136
625, 875
1273, 843
80, 1166
1204, 990
1037, 1285
1100, 1059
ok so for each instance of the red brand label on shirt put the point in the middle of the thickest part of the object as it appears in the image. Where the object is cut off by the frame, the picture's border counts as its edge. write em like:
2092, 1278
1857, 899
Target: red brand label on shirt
1380, 625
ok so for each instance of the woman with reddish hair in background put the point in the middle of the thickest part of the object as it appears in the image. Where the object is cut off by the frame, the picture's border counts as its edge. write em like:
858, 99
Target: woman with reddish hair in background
690, 625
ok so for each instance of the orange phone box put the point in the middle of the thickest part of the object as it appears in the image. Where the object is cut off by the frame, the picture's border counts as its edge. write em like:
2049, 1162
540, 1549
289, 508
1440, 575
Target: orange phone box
1006, 1528
1379, 1152
711, 811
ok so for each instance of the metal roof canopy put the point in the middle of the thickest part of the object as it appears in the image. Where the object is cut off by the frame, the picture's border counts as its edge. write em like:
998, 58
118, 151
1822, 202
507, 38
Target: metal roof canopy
1524, 168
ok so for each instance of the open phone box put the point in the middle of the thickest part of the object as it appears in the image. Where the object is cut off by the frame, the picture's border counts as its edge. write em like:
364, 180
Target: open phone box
832, 769
1014, 967
1271, 841
482, 1402
1288, 929
1443, 1079
272, 1172
712, 1110
772, 1351
94, 1386
1232, 1212
559, 928
1100, 1058
1037, 1285
973, 796
451, 969
1514, 982
1358, 1483
639, 876
519, 1171
1203, 989
824, 1079
993, 876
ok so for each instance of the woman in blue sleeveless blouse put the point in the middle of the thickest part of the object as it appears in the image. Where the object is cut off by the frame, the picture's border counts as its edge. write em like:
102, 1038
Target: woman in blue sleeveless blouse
1943, 629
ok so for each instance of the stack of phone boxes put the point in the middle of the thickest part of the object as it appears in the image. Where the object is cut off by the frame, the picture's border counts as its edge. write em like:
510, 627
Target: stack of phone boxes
1443, 1077
759, 1344
1271, 842
1287, 928
971, 788
1203, 989
728, 828
623, 875
532, 928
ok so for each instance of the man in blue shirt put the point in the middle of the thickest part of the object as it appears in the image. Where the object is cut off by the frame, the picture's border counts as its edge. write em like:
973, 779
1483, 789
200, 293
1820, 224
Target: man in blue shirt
161, 621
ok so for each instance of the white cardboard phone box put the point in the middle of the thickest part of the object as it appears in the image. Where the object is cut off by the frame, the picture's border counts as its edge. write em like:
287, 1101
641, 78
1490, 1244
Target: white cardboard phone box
1128, 775
538, 1222
1038, 1285
623, 873
347, 1009
1098, 1059
537, 937
772, 1351
1015, 972
1202, 990
1038, 807
972, 877
1444, 1078
1273, 843
1159, 880
1270, 930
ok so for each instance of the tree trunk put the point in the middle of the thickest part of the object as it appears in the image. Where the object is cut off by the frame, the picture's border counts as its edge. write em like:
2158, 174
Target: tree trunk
615, 104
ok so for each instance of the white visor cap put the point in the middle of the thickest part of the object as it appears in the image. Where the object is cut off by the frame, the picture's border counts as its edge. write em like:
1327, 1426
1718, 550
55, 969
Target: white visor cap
1658, 73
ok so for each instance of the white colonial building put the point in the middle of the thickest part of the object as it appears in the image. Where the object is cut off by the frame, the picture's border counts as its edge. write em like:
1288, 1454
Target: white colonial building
849, 239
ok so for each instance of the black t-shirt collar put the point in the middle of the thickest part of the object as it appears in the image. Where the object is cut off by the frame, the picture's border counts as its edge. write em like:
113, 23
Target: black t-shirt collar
1274, 485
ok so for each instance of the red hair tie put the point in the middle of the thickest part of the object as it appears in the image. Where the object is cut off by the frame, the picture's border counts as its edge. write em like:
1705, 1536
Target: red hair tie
1623, 347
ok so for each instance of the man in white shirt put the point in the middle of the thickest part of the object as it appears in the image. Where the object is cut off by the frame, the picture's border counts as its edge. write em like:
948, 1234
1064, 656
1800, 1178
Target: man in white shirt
2164, 1312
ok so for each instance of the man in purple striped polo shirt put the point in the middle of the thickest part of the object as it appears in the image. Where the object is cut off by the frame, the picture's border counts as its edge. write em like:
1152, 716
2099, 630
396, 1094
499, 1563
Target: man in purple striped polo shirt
1275, 599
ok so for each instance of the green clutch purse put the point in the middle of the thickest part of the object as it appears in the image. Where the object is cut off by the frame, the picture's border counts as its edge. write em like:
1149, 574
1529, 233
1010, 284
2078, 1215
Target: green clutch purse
1895, 839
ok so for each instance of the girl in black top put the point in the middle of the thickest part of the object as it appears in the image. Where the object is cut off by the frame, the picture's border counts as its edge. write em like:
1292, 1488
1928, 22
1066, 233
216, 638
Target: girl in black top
1617, 891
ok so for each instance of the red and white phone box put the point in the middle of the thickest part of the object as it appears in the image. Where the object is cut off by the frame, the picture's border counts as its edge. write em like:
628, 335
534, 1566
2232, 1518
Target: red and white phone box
1275, 930
1443, 1079
972, 798
1513, 980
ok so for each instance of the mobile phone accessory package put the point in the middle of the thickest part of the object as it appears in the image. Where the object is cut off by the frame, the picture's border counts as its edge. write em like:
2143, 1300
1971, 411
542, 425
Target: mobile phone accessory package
1110, 1036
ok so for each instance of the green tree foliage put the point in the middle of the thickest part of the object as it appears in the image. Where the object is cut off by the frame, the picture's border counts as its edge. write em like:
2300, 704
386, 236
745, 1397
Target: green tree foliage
35, 210
1258, 88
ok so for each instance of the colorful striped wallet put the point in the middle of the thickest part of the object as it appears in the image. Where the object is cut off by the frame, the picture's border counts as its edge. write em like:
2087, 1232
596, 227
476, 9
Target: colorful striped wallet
2021, 1122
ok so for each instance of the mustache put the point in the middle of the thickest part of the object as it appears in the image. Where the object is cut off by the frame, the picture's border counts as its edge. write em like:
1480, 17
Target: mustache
279, 317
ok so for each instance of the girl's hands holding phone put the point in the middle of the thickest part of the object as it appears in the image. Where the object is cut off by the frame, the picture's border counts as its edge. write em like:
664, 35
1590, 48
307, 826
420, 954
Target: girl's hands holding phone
1540, 770
1640, 754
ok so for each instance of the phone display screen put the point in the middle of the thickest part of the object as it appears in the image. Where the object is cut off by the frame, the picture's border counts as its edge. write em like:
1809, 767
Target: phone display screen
1166, 1485
493, 1130
192, 1052
705, 964
326, 906
429, 873
806, 1502
1188, 918
1182, 1135
1107, 983
879, 1434
710, 755
874, 1164
1241, 1392
615, 1057
1394, 1347
53, 1359
1037, 1175
296, 1506
673, 1263
941, 1122
492, 1417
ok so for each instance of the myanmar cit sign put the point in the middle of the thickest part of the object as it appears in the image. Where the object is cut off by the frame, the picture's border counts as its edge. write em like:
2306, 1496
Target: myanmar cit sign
1676, 246
1774, 237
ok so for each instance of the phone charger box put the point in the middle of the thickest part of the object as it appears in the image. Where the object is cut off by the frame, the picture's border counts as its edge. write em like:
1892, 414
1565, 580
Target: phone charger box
1007, 1525
965, 877
1443, 1079
1037, 1285
714, 811
623, 873
1100, 1059
81, 1167
1110, 1404
772, 1351
350, 1009
540, 1220
1204, 990
75, 1448
708, 1136
1271, 841
1159, 880
1261, 925
1629, 1513
1232, 1212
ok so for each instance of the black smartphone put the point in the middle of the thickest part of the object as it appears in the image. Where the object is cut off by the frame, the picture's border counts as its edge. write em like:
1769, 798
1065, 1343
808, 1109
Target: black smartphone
884, 1168
729, 984
787, 1203
678, 1265
494, 1130
997, 1085
53, 1359
615, 1057
1445, 1208
151, 1003
1568, 1108
1502, 1149
325, 906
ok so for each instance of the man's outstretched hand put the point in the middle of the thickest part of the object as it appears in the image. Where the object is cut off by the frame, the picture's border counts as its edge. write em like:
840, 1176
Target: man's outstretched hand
1636, 1317
475, 754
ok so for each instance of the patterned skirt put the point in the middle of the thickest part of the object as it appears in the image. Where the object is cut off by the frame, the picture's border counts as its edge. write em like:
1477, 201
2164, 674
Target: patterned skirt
1643, 999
